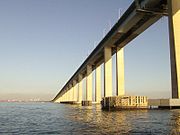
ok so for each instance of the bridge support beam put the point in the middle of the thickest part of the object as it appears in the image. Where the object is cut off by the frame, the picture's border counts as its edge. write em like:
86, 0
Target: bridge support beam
71, 93
174, 33
66, 95
63, 95
89, 83
74, 91
120, 71
80, 88
98, 84
60, 98
107, 71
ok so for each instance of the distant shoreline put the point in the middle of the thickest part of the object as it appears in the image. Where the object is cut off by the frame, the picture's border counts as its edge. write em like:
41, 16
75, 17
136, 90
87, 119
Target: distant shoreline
13, 101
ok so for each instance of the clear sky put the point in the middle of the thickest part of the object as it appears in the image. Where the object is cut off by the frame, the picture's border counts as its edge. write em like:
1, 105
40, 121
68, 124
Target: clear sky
43, 42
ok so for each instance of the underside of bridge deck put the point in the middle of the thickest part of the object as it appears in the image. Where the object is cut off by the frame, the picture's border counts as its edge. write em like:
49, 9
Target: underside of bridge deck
139, 16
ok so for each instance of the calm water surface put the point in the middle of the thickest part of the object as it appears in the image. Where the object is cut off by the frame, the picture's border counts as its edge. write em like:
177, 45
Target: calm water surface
51, 118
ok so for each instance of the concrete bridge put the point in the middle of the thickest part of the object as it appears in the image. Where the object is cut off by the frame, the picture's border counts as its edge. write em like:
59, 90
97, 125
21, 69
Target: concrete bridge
139, 16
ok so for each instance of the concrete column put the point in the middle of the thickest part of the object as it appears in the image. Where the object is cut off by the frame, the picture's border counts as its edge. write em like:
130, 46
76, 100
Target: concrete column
89, 83
174, 34
120, 71
71, 92
63, 97
69, 96
65, 94
74, 90
107, 71
98, 84
60, 99
80, 88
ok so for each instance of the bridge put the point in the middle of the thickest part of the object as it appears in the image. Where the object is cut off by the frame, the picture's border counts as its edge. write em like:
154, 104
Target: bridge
138, 17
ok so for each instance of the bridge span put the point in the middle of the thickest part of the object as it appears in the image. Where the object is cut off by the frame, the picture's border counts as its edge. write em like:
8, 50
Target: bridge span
138, 17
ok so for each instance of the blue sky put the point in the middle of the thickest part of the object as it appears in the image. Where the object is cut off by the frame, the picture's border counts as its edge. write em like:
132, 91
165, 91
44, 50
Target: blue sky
43, 42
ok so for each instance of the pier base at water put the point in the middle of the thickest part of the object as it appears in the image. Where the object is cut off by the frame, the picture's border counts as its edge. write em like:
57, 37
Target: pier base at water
69, 102
96, 103
124, 102
86, 103
164, 103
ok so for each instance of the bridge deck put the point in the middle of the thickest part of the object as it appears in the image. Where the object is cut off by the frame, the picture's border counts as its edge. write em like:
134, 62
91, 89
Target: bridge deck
138, 17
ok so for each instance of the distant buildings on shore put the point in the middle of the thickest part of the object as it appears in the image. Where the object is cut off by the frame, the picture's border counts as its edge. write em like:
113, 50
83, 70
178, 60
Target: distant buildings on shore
30, 100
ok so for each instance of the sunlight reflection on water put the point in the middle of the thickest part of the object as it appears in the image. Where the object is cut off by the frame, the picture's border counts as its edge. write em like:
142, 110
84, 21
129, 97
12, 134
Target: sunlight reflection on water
51, 118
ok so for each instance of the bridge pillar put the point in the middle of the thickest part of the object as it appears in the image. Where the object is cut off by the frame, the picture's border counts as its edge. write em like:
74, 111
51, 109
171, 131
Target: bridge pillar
60, 99
89, 83
174, 34
66, 96
120, 71
71, 92
80, 88
98, 84
63, 96
75, 90
107, 71
67, 93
